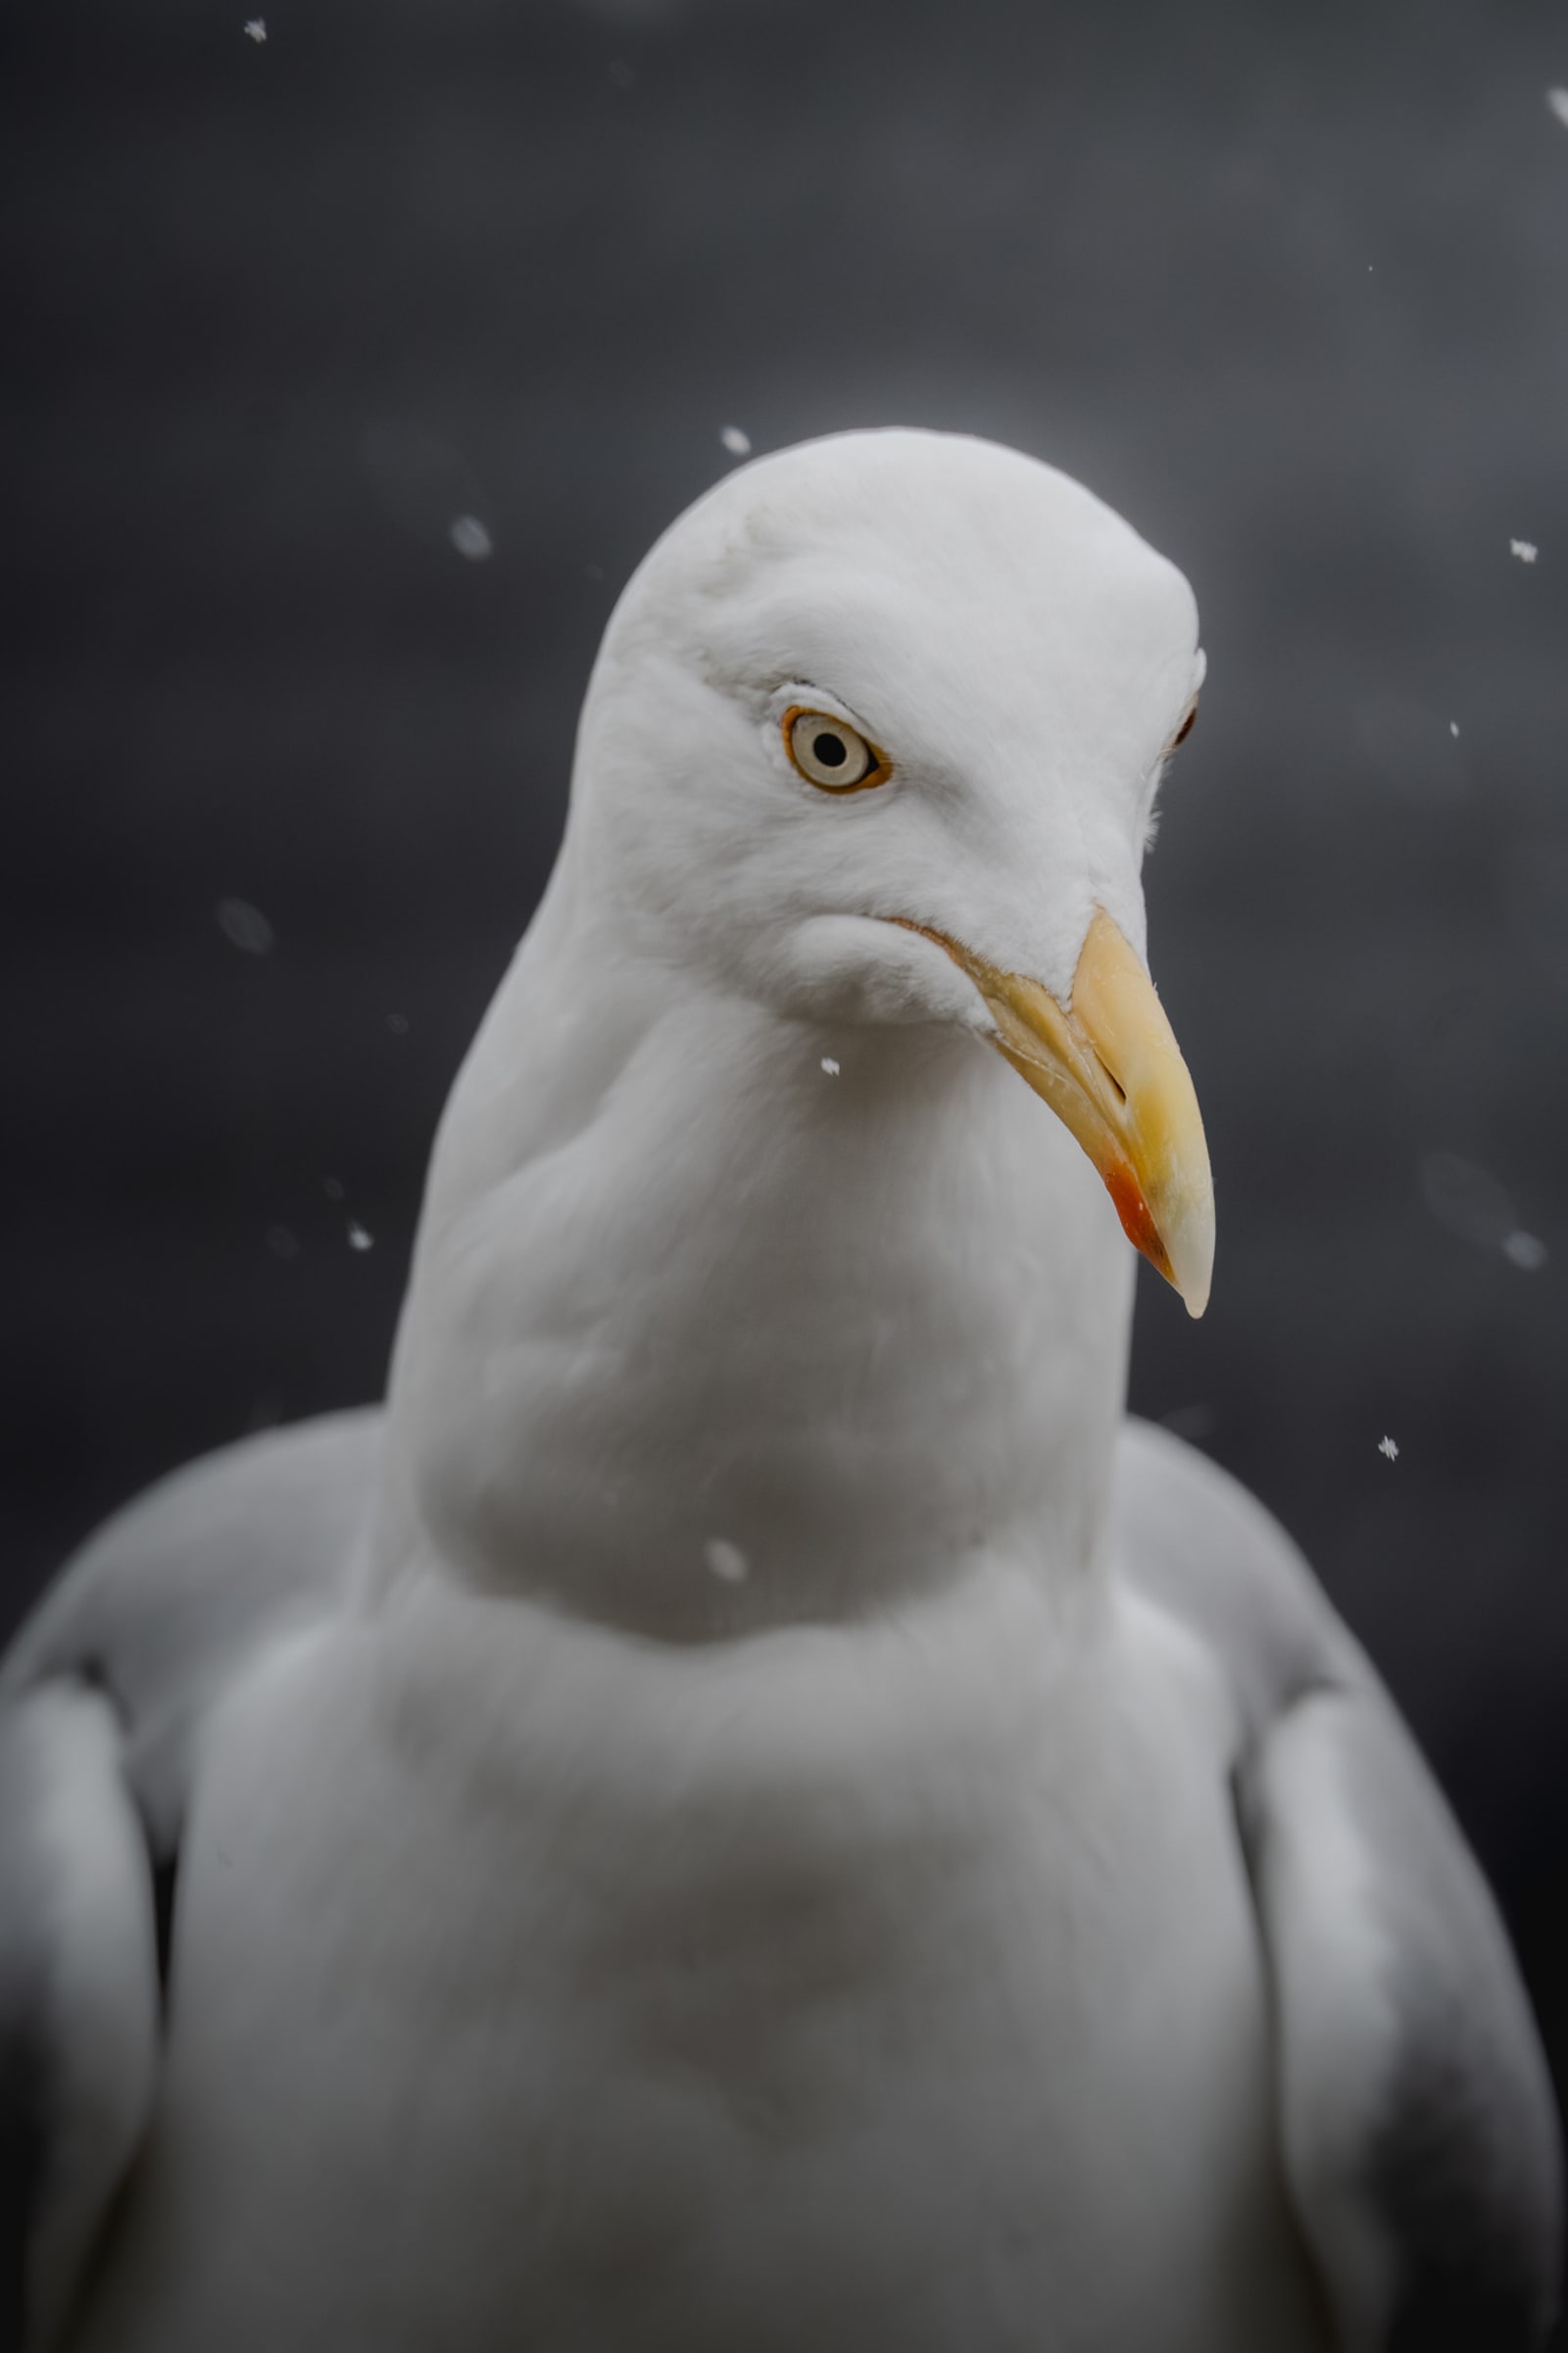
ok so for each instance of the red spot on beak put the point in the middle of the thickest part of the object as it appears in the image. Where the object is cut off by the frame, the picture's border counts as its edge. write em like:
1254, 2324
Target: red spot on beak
1136, 1221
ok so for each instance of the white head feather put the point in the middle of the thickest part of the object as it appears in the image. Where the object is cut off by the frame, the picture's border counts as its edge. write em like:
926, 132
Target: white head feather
676, 1287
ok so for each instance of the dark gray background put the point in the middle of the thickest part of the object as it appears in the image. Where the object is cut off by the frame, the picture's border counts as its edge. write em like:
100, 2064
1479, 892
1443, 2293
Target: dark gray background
1288, 286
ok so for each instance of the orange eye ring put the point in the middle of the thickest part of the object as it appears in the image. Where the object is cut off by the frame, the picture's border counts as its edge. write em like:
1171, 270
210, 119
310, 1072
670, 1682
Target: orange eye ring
810, 758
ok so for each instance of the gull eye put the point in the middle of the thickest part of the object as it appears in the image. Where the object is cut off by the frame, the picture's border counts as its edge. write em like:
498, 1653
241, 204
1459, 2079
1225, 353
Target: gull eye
831, 754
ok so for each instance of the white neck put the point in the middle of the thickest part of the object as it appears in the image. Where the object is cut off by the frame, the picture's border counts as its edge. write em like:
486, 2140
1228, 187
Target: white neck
700, 1338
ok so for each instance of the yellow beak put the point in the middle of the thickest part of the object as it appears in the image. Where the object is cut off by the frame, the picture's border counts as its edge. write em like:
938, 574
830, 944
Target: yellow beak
1110, 1067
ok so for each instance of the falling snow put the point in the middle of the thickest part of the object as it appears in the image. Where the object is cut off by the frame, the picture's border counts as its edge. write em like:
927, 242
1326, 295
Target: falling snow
1388, 1446
332, 1186
398, 1024
1471, 1202
1453, 727
256, 28
738, 444
830, 1067
244, 926
470, 538
726, 1561
1525, 549
1557, 99
358, 1239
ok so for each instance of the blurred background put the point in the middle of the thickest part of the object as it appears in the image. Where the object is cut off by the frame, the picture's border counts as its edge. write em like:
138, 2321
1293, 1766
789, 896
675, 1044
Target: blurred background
355, 354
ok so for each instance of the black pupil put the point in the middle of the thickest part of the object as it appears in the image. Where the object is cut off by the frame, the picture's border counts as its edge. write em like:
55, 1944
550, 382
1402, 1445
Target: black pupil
831, 750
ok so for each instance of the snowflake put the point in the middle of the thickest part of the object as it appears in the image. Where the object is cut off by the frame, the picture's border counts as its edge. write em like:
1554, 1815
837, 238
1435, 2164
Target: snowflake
1388, 1446
1557, 99
1525, 549
358, 1239
738, 444
1473, 1203
726, 1561
469, 537
256, 30
830, 1067
244, 926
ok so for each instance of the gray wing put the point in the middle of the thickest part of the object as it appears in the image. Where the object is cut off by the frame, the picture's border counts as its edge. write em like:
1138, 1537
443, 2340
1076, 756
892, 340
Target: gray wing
1417, 2129
103, 1697
79, 1995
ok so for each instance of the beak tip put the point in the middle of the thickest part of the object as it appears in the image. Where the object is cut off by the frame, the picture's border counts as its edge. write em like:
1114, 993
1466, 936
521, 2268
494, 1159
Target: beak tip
1191, 1249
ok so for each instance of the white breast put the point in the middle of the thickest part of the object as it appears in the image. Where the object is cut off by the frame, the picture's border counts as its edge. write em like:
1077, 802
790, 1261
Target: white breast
839, 1987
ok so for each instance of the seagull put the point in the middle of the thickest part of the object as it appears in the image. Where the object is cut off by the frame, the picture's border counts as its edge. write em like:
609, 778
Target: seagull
751, 1806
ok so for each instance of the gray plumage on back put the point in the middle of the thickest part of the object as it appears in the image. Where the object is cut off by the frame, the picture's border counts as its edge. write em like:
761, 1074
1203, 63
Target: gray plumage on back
1416, 2121
103, 1698
79, 1992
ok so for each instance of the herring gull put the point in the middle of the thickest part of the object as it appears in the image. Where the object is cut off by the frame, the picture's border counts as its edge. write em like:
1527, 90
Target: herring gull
751, 1807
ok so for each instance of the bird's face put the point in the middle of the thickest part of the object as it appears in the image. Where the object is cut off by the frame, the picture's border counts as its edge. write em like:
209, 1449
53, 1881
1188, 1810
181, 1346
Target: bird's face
876, 734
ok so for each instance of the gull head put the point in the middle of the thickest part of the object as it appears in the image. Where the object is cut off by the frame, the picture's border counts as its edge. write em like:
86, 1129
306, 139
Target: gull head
875, 736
